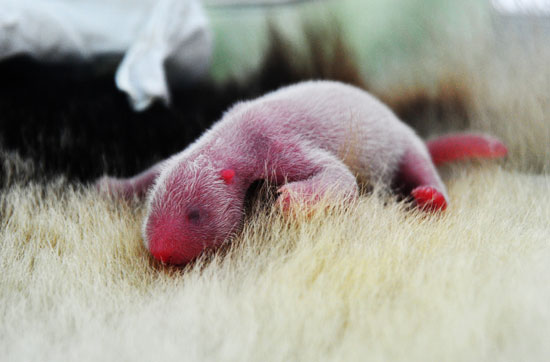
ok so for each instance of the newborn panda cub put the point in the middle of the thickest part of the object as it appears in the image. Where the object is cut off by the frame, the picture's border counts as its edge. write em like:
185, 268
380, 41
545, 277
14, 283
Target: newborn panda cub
311, 139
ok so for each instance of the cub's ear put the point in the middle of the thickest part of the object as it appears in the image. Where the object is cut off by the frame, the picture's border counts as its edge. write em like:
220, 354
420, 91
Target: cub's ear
227, 175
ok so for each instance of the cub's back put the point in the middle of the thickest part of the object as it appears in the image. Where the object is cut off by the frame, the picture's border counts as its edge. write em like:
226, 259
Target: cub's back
325, 111
345, 120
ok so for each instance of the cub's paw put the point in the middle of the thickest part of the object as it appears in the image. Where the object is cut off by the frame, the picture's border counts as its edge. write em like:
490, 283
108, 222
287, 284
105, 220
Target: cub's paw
295, 199
429, 199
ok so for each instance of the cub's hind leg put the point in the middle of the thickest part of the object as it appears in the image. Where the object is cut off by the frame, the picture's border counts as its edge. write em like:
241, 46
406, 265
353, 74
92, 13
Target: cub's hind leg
418, 175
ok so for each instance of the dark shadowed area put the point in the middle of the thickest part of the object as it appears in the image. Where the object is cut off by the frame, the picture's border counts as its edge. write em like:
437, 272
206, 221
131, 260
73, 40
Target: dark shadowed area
71, 120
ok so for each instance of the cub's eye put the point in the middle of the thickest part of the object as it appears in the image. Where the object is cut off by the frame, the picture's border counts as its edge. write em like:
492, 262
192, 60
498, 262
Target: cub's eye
193, 215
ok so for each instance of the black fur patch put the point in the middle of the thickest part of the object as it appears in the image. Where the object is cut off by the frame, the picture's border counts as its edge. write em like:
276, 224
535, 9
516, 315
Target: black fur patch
70, 119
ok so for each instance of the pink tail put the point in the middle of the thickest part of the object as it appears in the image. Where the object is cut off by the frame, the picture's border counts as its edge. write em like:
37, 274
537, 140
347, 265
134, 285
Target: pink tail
463, 146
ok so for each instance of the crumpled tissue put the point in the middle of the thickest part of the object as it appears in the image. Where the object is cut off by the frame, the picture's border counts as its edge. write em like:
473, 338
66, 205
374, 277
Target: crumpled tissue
156, 39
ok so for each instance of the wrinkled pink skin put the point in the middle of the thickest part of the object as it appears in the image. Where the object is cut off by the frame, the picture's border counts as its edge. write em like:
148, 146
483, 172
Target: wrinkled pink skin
312, 138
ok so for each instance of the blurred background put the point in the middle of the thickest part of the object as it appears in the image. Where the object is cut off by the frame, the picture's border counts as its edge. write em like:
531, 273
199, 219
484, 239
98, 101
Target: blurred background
120, 89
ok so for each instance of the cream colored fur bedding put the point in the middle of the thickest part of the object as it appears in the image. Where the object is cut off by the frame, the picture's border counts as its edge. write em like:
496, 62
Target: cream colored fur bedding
369, 281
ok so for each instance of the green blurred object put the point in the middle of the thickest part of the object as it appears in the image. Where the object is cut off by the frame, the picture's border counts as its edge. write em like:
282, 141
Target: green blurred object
384, 34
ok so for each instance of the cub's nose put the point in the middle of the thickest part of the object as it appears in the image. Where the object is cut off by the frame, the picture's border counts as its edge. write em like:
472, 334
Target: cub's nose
168, 243
164, 252
172, 251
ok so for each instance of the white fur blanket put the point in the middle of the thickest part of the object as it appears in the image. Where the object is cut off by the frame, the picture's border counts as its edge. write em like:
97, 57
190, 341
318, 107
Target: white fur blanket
370, 281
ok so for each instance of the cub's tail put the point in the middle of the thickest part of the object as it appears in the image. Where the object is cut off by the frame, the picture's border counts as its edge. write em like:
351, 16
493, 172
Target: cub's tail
463, 146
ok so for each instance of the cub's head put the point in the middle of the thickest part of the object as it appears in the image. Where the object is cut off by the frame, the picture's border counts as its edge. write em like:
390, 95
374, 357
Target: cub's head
193, 206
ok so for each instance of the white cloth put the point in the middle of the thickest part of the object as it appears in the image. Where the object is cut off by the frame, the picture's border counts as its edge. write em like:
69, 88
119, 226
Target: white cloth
151, 34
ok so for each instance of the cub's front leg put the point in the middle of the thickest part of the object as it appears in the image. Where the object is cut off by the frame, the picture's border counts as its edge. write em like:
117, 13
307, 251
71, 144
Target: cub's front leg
128, 188
326, 177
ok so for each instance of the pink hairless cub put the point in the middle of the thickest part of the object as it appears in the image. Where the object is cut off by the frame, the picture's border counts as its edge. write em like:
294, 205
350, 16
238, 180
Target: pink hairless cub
312, 139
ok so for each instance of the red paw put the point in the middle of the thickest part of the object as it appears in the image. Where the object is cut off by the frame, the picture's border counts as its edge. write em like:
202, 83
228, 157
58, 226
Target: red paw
284, 201
429, 199
294, 203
